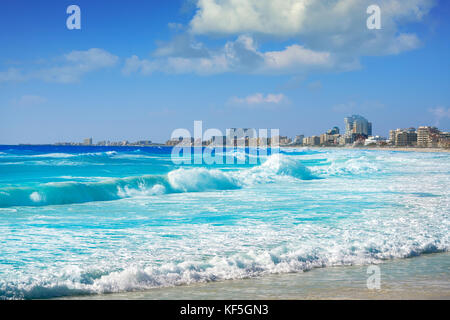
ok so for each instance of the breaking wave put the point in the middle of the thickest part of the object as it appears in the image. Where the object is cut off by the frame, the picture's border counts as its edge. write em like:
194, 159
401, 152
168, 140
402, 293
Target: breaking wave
75, 281
179, 180
367, 209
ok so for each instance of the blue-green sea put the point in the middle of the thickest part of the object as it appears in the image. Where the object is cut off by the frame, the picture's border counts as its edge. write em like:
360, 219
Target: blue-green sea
92, 220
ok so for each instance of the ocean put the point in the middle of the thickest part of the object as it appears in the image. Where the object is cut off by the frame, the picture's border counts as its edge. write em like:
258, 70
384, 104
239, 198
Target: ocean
78, 221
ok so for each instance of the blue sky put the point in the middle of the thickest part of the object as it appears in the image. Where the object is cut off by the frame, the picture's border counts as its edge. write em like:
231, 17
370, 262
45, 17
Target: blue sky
140, 69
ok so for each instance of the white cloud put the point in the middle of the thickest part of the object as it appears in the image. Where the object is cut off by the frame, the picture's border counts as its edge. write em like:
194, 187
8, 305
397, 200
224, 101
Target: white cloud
175, 26
70, 68
277, 17
78, 63
29, 100
11, 75
315, 85
440, 113
177, 65
92, 59
335, 26
296, 56
259, 98
404, 42
321, 35
181, 45
134, 64
299, 17
241, 55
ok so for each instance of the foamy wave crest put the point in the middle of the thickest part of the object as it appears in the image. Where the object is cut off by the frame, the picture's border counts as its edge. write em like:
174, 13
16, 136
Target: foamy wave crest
74, 155
179, 180
53, 155
201, 179
56, 193
75, 281
342, 167
299, 151
277, 165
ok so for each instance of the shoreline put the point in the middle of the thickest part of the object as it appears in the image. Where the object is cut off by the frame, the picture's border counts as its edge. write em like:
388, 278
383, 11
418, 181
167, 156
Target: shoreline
423, 277
386, 148
410, 149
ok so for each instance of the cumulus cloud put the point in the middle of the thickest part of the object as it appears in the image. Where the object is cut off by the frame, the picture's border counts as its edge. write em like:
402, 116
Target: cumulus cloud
175, 65
296, 56
134, 64
260, 99
289, 18
69, 68
319, 36
241, 55
78, 63
182, 45
337, 27
275, 17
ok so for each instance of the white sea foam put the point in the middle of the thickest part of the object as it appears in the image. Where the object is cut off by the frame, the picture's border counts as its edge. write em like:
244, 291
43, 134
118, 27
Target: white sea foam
179, 180
366, 208
36, 197
275, 166
75, 281
348, 167
53, 155
201, 179
71, 155
141, 191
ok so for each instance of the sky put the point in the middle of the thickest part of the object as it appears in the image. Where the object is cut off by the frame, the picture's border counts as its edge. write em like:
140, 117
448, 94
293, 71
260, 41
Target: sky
137, 70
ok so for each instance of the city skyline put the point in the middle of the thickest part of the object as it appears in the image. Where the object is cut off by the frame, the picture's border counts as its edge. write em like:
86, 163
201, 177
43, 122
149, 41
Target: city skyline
357, 130
140, 71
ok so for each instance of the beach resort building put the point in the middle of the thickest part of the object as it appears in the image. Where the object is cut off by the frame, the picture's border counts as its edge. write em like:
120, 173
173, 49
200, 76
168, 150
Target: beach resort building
311, 141
356, 128
427, 136
403, 137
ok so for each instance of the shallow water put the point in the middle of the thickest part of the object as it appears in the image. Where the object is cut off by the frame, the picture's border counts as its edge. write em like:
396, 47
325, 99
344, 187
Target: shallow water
92, 220
399, 279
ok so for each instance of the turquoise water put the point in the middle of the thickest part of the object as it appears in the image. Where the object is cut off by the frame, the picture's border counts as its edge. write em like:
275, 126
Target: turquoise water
90, 220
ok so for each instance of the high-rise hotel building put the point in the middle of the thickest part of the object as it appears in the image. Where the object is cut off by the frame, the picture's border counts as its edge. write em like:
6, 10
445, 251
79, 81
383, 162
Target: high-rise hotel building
355, 126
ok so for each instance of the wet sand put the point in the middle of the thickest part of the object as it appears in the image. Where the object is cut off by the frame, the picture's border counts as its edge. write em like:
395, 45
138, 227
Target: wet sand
424, 277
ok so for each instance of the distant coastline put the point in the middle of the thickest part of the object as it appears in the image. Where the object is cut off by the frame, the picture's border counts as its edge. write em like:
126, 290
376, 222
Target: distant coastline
379, 148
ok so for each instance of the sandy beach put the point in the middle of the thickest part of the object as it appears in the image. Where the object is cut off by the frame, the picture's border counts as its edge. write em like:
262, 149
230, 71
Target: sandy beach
400, 279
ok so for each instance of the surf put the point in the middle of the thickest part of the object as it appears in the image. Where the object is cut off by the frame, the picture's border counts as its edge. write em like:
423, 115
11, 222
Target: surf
176, 181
